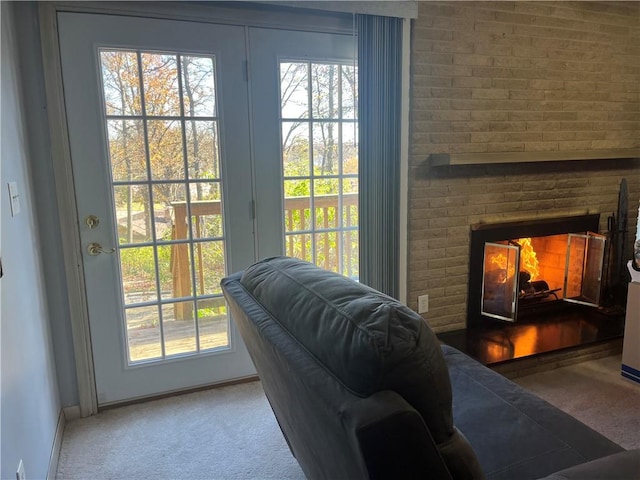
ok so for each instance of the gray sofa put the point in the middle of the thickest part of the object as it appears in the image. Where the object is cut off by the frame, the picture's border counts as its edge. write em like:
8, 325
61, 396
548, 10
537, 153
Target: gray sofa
362, 388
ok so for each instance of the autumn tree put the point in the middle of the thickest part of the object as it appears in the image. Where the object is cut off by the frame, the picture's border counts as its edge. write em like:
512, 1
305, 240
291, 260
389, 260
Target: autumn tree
172, 86
163, 126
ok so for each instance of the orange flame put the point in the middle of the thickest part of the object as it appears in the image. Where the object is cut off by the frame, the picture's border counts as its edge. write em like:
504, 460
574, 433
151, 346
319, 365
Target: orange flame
528, 258
506, 270
500, 260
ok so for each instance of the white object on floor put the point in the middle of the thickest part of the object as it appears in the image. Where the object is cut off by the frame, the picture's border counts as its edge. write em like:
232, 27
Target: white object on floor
631, 344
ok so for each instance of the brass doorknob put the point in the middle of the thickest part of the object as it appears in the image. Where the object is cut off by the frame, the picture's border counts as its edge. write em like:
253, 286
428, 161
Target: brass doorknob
96, 249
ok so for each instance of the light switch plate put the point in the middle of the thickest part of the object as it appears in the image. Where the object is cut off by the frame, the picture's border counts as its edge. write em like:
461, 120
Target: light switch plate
14, 198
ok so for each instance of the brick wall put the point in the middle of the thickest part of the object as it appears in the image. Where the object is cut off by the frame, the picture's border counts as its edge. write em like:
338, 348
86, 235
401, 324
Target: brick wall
519, 77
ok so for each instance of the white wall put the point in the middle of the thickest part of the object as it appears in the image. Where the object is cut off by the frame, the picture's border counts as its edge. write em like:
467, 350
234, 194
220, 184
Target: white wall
29, 393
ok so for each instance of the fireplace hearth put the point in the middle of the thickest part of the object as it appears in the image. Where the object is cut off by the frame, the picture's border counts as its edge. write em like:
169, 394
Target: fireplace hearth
565, 327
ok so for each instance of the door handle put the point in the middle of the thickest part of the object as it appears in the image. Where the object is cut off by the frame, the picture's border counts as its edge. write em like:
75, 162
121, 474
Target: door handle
96, 249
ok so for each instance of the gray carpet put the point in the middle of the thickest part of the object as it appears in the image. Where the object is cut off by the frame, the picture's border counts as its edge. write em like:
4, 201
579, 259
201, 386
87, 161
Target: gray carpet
231, 433
595, 393
224, 433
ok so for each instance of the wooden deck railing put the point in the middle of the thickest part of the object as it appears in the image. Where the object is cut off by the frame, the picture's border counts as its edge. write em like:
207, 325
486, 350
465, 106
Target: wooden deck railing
293, 245
321, 203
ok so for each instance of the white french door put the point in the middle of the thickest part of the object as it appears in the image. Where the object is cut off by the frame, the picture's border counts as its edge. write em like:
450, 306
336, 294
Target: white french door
158, 122
181, 177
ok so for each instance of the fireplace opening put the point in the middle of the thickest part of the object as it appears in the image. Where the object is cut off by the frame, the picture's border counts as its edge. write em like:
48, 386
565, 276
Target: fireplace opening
524, 272
517, 268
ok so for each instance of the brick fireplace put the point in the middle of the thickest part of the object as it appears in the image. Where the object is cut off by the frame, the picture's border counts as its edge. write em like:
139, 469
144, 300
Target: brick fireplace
535, 287
445, 203
522, 82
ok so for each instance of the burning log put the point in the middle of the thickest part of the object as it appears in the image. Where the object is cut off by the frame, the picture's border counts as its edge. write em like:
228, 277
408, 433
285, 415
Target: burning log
538, 289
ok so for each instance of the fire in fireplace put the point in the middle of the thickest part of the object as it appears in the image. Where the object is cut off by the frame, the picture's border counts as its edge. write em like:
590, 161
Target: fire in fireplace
518, 266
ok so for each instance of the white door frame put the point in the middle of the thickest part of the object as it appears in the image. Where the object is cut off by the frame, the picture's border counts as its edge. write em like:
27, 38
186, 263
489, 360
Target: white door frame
61, 156
63, 177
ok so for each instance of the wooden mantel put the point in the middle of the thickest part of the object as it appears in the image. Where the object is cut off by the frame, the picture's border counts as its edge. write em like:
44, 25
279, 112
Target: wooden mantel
443, 159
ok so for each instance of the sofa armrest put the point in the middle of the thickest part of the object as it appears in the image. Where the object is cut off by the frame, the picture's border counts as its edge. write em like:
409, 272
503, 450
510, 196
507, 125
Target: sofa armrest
619, 466
393, 438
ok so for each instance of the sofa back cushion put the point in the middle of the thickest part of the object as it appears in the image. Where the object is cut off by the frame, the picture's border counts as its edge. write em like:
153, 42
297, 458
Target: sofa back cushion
367, 340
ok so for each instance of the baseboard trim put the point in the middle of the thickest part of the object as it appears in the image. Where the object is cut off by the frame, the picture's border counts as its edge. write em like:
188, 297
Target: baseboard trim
71, 413
57, 445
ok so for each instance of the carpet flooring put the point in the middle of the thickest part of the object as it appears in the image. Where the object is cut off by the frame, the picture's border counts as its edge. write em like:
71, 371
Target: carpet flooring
595, 393
230, 433
224, 433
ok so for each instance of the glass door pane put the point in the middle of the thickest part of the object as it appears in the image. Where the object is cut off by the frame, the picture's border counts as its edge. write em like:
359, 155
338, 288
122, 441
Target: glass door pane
162, 129
583, 271
500, 281
320, 163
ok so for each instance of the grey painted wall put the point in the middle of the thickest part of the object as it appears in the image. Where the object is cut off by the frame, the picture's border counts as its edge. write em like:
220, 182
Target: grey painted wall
45, 199
30, 403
